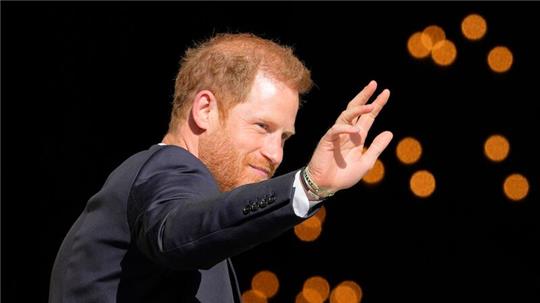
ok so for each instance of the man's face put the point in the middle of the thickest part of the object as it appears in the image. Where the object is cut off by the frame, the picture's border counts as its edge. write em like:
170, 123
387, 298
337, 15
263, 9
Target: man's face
248, 147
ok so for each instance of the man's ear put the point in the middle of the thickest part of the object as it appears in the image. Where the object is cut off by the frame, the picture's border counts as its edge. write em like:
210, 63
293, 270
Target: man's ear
204, 109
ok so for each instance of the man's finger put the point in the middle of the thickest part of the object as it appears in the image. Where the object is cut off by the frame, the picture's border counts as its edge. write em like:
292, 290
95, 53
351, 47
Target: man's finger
378, 145
380, 102
350, 115
364, 95
338, 129
365, 121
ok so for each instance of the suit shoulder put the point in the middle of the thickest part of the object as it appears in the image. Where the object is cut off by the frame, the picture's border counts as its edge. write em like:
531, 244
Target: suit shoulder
168, 158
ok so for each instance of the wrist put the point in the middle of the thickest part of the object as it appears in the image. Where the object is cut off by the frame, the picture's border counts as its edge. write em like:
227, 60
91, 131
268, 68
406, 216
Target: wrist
313, 190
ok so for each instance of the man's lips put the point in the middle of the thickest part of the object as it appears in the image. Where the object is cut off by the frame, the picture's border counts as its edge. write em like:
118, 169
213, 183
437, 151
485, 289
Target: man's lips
263, 171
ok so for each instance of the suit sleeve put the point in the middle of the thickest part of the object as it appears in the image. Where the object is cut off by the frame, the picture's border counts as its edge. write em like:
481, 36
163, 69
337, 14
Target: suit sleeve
180, 220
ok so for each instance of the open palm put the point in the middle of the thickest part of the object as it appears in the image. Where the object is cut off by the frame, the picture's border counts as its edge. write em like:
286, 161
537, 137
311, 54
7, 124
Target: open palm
340, 161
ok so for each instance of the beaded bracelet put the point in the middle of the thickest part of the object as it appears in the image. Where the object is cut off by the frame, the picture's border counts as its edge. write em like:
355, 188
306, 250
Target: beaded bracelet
312, 187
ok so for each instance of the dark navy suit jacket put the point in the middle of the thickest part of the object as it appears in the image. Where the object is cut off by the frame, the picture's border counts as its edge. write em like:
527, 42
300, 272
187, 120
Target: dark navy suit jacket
160, 231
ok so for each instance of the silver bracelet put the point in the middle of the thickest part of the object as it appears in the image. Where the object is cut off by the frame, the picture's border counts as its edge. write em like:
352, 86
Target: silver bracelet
312, 186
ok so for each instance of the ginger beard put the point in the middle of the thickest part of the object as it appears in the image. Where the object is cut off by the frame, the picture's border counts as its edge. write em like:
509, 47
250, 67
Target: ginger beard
229, 166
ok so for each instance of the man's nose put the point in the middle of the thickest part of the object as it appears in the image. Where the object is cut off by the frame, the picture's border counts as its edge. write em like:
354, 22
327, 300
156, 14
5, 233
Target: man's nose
273, 150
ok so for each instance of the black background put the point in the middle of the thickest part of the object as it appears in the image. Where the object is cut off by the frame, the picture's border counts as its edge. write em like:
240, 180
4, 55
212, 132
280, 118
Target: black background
85, 85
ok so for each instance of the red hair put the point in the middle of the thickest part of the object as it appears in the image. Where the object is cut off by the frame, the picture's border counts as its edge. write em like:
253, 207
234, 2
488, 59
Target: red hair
227, 64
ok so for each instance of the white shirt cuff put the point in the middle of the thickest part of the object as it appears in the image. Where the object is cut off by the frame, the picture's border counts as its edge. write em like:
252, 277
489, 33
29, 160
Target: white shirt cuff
301, 203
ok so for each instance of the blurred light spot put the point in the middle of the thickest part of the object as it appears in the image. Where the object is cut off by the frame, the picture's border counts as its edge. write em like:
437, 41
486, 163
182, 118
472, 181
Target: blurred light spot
431, 36
516, 187
355, 287
422, 183
444, 52
474, 27
408, 150
496, 148
375, 174
253, 296
266, 282
343, 294
309, 230
311, 296
300, 298
346, 292
416, 47
321, 214
500, 59
316, 289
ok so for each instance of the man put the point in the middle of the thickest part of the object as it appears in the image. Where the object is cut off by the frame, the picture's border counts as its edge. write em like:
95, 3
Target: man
167, 220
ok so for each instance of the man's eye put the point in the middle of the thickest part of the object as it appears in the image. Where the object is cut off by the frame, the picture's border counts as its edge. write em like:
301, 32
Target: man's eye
263, 126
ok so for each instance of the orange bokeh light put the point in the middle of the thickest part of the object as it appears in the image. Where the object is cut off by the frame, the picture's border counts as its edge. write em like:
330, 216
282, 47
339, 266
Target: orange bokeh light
346, 292
321, 214
301, 299
516, 187
474, 27
500, 59
432, 35
253, 296
417, 47
409, 150
422, 183
309, 230
375, 174
312, 296
316, 289
266, 283
444, 52
496, 148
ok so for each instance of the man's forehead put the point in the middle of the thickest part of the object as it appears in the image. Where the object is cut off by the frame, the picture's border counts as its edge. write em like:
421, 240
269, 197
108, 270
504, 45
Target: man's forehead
266, 84
272, 101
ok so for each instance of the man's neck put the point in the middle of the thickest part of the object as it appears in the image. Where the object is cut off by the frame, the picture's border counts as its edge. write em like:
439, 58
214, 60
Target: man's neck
181, 138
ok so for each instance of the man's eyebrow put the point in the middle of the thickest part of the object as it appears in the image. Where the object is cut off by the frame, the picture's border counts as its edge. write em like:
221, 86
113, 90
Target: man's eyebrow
287, 133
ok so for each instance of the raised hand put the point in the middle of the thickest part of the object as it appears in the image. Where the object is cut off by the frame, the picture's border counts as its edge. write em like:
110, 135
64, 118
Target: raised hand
339, 161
